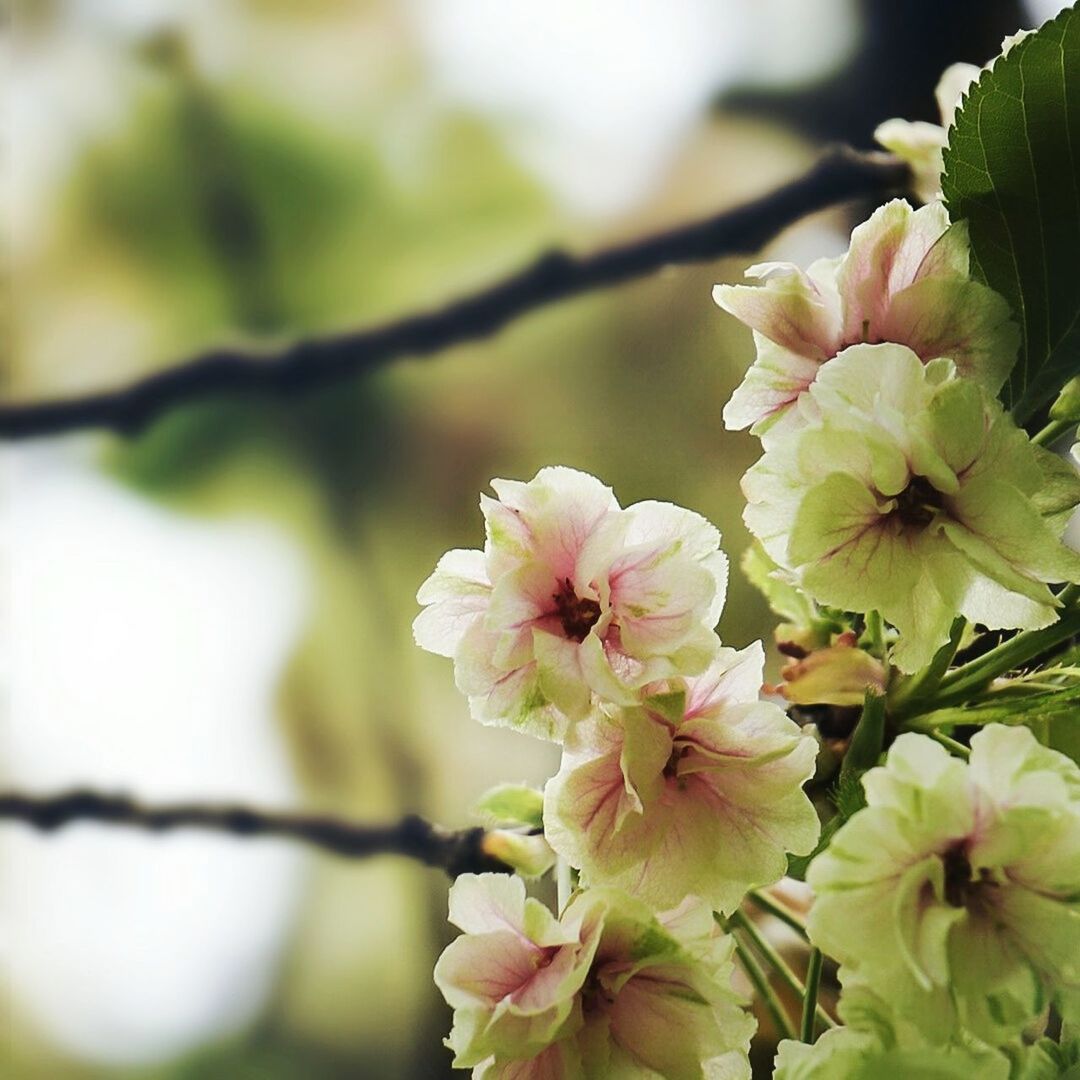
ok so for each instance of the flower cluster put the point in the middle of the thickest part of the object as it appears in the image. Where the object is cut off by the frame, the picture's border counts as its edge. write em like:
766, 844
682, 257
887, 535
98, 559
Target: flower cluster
956, 892
598, 992
898, 514
892, 481
680, 789
904, 280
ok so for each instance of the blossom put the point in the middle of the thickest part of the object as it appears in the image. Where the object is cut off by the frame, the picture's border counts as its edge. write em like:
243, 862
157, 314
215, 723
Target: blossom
919, 143
697, 790
956, 893
904, 279
910, 492
610, 989
573, 596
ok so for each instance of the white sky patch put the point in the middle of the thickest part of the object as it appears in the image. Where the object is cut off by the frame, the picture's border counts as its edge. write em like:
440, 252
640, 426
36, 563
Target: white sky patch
144, 651
597, 98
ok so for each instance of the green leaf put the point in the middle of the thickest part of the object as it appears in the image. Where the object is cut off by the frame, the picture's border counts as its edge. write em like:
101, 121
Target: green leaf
512, 804
1012, 171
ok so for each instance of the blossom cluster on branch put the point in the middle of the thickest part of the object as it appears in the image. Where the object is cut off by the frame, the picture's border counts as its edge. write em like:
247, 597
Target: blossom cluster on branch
900, 515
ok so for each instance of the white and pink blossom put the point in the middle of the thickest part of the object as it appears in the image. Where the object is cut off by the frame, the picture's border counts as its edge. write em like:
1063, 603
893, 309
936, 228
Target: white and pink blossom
904, 279
608, 990
573, 597
697, 790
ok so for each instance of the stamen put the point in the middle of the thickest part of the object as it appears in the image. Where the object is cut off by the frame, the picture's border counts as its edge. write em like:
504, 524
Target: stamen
577, 616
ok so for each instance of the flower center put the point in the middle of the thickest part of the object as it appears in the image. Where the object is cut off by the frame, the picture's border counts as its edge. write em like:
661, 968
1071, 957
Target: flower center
671, 769
962, 888
917, 503
577, 616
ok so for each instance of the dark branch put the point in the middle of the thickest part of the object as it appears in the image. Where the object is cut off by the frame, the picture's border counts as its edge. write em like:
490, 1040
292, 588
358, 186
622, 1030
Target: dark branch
840, 175
457, 852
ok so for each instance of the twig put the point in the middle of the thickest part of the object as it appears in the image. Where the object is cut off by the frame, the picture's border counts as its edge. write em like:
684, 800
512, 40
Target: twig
840, 175
457, 852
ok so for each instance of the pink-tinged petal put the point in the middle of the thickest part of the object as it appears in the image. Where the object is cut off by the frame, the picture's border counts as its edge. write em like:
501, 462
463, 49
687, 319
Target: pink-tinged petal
455, 595
485, 903
560, 1061
790, 308
774, 382
666, 525
886, 255
658, 599
733, 679
584, 808
522, 596
483, 969
959, 319
611, 673
561, 507
517, 700
509, 540
649, 1009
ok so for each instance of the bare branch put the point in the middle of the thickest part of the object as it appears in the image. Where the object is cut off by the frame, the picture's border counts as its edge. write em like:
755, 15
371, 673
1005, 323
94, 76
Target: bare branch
455, 851
840, 175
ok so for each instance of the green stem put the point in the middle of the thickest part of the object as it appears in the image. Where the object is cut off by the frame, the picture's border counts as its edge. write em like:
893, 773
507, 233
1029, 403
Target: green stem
813, 982
778, 910
768, 995
875, 633
1052, 432
929, 679
776, 962
966, 681
958, 749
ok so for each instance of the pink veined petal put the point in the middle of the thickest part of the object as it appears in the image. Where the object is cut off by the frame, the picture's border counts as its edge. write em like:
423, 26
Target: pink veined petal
560, 1061
774, 382
646, 1013
484, 969
455, 595
734, 678
788, 308
561, 508
484, 903
885, 256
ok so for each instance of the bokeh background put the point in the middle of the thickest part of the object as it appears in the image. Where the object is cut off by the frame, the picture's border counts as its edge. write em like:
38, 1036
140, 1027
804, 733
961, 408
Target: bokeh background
221, 607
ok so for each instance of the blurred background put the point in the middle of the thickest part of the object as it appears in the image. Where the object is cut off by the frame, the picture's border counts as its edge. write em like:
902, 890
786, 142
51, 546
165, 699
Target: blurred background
221, 607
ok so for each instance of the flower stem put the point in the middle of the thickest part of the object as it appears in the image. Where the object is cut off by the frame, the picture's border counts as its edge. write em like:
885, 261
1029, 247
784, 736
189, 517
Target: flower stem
929, 679
958, 749
776, 962
965, 681
875, 633
778, 910
813, 982
1052, 432
768, 995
